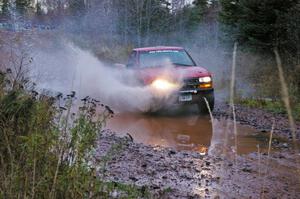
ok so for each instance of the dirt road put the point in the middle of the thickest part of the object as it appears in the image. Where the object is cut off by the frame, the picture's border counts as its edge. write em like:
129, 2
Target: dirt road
187, 157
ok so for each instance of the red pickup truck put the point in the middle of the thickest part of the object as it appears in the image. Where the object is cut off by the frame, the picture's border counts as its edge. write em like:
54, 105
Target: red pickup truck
166, 67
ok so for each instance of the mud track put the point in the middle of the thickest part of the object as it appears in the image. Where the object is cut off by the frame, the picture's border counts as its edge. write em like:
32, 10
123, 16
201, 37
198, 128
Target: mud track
259, 119
169, 173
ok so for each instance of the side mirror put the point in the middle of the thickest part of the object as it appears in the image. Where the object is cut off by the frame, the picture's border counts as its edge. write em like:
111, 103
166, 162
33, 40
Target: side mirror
121, 66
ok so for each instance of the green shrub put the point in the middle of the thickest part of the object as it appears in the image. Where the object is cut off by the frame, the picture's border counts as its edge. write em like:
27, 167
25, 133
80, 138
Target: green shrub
274, 106
45, 148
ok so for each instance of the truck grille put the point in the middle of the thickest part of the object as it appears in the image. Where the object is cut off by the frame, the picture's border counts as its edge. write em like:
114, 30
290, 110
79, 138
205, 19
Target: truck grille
191, 83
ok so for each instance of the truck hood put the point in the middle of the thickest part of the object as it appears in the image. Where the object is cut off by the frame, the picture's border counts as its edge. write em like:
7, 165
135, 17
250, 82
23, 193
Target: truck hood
147, 75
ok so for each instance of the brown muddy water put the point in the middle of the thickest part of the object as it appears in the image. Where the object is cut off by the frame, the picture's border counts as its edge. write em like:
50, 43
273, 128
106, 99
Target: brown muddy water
186, 131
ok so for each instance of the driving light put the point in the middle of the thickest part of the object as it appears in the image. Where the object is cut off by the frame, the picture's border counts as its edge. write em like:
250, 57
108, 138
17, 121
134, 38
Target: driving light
162, 84
205, 79
206, 85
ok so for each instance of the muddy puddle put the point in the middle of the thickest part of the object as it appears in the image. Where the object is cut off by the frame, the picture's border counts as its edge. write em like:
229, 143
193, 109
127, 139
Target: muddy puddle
186, 131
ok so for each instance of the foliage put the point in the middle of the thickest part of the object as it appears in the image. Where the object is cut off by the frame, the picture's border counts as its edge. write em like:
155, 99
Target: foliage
39, 10
259, 26
190, 17
140, 19
274, 106
77, 7
46, 147
259, 23
5, 8
22, 6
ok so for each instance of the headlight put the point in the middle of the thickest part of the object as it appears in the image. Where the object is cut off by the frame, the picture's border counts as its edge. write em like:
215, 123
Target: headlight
205, 79
162, 84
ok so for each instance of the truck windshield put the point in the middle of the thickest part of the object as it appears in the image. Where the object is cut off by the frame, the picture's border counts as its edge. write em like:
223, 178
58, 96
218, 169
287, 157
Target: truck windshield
159, 58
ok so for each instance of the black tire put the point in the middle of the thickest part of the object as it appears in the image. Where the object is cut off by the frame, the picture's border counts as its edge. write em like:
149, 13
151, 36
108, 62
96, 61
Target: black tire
202, 106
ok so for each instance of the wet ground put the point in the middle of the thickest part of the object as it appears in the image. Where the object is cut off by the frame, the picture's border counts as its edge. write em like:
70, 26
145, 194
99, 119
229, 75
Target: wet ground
186, 130
180, 154
169, 173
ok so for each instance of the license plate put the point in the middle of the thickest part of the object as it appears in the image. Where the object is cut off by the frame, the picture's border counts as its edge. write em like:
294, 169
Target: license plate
185, 98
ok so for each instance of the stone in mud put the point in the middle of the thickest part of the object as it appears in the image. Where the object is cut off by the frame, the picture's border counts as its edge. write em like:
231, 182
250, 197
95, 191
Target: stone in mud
149, 155
164, 177
144, 165
207, 163
133, 178
247, 170
285, 145
197, 170
114, 194
155, 187
172, 152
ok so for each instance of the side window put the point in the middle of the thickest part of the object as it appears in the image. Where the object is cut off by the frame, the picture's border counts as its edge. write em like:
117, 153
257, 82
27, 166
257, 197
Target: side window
132, 60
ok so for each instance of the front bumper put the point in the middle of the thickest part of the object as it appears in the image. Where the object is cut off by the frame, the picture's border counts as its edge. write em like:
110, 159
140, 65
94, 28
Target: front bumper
192, 96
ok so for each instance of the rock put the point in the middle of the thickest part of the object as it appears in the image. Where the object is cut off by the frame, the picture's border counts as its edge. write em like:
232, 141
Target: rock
149, 155
247, 170
133, 178
186, 175
197, 170
144, 165
114, 194
155, 187
172, 152
285, 145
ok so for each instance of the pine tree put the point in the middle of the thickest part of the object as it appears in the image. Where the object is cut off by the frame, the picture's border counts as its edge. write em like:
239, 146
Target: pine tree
22, 6
39, 10
77, 7
256, 23
5, 8
201, 6
230, 12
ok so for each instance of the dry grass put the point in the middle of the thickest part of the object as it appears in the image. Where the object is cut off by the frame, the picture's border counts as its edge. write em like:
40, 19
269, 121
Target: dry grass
232, 93
268, 160
210, 113
286, 100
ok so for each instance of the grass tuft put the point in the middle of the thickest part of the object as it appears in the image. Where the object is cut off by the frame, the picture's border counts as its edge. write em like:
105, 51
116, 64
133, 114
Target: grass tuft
47, 146
274, 106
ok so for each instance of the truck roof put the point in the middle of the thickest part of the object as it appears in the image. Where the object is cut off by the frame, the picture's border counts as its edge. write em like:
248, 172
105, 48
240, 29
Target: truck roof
158, 48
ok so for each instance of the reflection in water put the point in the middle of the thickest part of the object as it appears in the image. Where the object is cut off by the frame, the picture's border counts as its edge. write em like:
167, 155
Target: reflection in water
183, 132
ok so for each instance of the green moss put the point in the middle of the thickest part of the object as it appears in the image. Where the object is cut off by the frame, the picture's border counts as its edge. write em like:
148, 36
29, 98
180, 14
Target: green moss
274, 106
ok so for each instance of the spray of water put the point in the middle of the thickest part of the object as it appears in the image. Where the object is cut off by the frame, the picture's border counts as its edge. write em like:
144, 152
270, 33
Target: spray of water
71, 68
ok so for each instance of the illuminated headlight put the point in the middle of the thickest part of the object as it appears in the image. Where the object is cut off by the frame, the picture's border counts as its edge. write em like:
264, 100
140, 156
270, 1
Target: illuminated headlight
162, 84
205, 79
